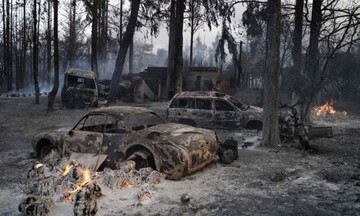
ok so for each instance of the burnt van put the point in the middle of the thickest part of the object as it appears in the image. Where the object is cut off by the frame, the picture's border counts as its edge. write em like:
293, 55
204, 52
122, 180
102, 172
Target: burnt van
80, 89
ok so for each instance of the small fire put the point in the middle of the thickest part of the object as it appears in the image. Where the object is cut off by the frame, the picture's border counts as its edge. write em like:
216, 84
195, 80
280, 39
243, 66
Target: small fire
85, 179
77, 178
126, 184
67, 170
326, 110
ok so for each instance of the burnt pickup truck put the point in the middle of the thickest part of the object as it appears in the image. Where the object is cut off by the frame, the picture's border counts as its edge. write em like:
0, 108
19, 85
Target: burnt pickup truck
80, 89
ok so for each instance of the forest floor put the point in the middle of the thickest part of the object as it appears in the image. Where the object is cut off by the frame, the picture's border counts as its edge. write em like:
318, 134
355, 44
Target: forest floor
263, 181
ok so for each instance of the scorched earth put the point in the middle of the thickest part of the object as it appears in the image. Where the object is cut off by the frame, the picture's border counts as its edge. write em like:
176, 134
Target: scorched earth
262, 181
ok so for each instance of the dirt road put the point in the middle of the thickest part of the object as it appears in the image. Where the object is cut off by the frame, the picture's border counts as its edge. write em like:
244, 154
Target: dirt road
263, 181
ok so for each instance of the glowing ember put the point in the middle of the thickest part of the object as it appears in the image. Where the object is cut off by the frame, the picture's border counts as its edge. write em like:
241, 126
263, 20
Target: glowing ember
126, 184
67, 170
75, 178
326, 110
85, 179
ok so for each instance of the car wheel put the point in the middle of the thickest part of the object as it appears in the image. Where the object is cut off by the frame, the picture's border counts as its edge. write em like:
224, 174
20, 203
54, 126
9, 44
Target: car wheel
143, 159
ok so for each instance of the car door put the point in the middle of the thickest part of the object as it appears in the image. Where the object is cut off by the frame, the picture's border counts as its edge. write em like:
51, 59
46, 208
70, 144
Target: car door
180, 111
226, 115
87, 136
203, 113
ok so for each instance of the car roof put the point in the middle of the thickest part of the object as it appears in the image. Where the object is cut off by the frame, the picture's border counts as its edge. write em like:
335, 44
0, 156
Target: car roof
80, 73
121, 111
201, 94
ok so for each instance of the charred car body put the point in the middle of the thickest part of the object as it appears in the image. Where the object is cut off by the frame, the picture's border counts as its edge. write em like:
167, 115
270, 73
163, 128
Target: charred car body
139, 134
212, 109
80, 88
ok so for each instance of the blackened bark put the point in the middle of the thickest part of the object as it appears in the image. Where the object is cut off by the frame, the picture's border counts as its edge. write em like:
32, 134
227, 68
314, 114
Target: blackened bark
297, 36
54, 91
121, 20
72, 48
312, 61
24, 49
270, 130
48, 44
94, 38
9, 28
120, 60
35, 55
171, 47
192, 31
179, 20
3, 69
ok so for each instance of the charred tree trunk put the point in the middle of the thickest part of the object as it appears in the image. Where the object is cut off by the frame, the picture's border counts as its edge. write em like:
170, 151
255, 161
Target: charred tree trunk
297, 36
35, 55
171, 47
54, 91
94, 38
120, 60
71, 50
179, 19
9, 28
103, 36
48, 44
2, 69
270, 131
312, 62
296, 51
24, 49
121, 20
192, 31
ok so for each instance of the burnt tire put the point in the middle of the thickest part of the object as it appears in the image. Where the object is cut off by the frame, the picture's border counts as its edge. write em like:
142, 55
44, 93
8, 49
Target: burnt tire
142, 159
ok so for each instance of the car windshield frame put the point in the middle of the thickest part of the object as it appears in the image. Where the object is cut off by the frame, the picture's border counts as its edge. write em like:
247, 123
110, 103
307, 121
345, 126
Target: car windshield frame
141, 126
237, 103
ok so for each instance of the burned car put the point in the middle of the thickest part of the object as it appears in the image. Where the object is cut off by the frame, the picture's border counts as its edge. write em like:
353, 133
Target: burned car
80, 88
211, 109
120, 133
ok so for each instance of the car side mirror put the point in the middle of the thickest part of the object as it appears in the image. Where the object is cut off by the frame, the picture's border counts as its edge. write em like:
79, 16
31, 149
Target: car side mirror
71, 133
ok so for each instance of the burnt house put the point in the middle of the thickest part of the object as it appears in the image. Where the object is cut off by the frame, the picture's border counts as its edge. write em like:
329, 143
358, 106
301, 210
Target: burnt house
194, 79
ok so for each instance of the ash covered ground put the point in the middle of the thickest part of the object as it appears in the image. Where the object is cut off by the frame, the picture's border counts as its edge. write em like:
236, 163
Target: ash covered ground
262, 181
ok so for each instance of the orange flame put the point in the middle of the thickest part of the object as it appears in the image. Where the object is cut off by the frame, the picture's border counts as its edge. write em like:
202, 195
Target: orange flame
85, 178
66, 170
126, 184
327, 109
